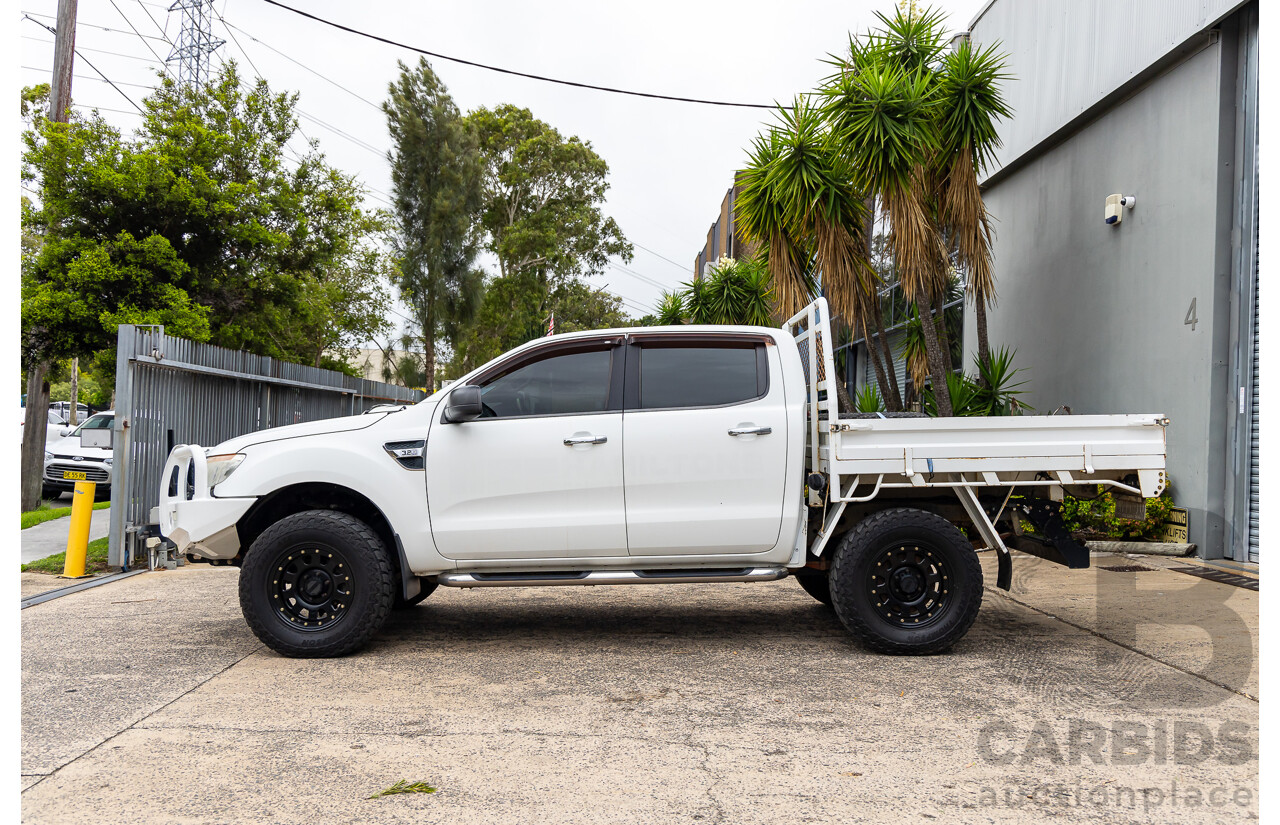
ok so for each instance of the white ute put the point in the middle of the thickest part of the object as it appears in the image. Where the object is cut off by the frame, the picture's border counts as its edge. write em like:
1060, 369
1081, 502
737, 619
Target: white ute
644, 456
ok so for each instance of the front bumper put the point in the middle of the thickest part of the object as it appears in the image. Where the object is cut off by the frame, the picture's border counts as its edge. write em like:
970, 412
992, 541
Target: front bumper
190, 517
94, 471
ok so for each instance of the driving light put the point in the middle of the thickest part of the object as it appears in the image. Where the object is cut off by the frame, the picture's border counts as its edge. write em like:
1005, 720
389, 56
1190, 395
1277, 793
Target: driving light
222, 466
48, 456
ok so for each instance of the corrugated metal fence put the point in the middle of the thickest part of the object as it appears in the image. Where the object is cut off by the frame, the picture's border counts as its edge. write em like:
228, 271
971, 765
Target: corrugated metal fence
173, 391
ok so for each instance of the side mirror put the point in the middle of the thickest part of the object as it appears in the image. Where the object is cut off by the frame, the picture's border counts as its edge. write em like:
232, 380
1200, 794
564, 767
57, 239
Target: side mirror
464, 404
64, 432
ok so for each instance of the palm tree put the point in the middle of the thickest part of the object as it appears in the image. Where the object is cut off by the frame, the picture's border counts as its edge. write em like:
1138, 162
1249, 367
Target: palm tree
762, 219
813, 180
881, 105
970, 102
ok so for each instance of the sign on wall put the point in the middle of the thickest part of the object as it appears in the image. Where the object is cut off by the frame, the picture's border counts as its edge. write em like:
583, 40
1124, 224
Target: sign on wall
1174, 528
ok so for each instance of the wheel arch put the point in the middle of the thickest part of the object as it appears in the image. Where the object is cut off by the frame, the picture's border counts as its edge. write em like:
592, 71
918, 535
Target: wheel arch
324, 495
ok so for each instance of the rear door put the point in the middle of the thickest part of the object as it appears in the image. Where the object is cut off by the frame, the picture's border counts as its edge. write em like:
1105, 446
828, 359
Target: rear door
705, 432
539, 475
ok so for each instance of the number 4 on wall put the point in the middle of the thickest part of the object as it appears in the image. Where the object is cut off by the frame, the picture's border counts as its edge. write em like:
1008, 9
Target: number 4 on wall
1191, 319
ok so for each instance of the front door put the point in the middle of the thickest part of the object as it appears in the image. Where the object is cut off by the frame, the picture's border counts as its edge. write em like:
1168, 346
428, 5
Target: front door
706, 445
539, 475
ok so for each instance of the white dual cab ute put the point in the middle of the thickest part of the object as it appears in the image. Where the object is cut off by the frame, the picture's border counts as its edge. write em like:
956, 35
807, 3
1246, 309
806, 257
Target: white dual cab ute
644, 456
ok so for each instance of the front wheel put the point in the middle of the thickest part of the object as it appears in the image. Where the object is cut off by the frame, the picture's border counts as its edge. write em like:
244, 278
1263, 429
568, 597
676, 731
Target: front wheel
906, 581
316, 584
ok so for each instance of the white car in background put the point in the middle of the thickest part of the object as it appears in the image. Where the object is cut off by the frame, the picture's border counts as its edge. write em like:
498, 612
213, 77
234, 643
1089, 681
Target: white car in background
52, 432
67, 461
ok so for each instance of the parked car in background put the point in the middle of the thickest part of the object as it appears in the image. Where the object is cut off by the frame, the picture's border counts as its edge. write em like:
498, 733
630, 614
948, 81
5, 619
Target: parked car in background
63, 409
52, 433
67, 461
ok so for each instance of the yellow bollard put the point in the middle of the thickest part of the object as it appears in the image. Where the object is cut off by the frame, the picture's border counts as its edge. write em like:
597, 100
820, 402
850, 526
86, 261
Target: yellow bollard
78, 538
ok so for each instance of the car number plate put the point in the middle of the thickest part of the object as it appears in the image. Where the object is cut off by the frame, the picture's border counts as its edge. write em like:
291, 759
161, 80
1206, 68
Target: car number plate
72, 476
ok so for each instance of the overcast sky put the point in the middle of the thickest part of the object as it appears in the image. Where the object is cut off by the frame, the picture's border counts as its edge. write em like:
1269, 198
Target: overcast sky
670, 163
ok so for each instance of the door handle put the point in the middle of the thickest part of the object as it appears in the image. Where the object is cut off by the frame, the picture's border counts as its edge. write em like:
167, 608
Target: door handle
585, 439
750, 431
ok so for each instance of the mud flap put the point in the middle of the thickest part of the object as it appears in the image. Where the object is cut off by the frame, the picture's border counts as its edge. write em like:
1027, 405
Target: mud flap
1057, 545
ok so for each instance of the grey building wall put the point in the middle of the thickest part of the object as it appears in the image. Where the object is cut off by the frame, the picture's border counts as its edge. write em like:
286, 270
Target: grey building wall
1095, 312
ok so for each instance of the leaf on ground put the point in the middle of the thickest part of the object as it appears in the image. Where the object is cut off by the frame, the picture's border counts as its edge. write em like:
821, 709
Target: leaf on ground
850, 773
404, 786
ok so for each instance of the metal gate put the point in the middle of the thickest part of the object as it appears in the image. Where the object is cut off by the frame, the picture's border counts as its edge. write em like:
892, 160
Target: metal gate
173, 391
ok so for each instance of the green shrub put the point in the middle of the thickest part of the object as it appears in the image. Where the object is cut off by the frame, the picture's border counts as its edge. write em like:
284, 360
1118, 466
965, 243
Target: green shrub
1098, 518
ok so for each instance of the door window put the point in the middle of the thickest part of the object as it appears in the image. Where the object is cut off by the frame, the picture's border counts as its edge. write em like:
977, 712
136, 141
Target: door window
560, 384
700, 376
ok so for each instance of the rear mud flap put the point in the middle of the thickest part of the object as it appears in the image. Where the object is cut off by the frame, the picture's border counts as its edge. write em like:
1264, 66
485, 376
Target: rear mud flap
1054, 543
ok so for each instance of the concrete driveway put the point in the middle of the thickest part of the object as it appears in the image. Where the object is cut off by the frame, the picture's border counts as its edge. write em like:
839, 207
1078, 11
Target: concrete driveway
148, 700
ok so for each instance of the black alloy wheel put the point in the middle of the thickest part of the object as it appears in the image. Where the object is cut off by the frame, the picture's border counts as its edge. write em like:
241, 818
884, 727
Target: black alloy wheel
317, 583
910, 584
311, 587
906, 581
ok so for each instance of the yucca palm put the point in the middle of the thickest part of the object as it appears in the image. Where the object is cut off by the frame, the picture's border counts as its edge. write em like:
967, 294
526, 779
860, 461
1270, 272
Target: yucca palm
737, 292
812, 180
762, 220
671, 310
881, 104
969, 104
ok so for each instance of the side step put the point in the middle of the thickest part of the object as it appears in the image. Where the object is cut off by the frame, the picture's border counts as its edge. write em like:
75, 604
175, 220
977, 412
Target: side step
594, 577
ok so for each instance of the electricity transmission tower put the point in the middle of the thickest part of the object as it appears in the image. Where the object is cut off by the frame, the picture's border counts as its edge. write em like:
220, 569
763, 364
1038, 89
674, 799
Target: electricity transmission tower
194, 43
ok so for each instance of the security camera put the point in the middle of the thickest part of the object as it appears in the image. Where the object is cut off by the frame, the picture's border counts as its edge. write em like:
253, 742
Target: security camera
1112, 214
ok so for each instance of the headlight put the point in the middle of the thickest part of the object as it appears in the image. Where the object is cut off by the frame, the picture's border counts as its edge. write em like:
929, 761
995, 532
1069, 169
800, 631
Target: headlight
107, 461
222, 466
48, 456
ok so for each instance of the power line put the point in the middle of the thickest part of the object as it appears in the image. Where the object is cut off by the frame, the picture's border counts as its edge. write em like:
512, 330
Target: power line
357, 141
54, 32
95, 51
163, 33
645, 279
515, 73
91, 25
663, 257
140, 35
105, 109
300, 63
87, 77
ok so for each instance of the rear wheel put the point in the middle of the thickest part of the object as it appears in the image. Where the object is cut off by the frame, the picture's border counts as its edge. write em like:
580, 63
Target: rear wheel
906, 582
316, 584
816, 584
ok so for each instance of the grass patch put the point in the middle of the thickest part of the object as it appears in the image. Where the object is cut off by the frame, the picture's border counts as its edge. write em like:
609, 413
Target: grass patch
45, 513
405, 787
95, 561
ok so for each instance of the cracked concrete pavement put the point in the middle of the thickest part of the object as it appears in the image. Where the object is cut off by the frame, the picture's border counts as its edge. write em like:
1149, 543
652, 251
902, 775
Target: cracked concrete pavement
148, 700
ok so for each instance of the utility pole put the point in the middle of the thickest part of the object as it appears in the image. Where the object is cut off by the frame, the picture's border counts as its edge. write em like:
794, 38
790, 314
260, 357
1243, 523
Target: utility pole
36, 423
64, 52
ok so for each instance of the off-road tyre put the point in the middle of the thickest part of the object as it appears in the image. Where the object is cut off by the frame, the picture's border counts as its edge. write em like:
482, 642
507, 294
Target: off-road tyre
906, 581
816, 584
317, 584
